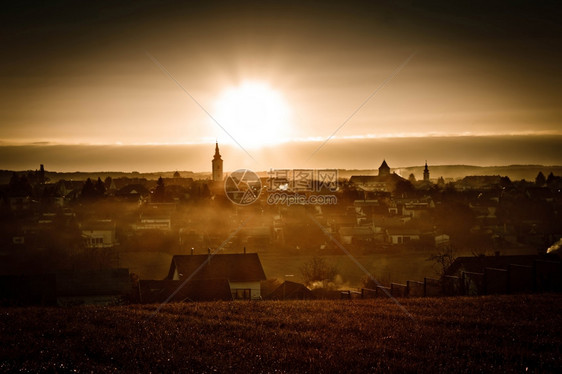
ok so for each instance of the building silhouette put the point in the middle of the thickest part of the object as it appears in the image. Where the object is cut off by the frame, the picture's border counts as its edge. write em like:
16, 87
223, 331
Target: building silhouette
426, 173
384, 169
217, 165
384, 182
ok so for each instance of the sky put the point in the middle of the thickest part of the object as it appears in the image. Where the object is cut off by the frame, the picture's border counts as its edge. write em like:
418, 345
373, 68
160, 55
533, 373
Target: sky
148, 86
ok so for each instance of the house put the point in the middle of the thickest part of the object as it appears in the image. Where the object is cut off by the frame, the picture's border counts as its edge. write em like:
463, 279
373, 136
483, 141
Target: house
477, 264
335, 221
365, 208
441, 240
154, 222
178, 180
156, 217
355, 235
479, 182
402, 235
243, 271
381, 223
415, 208
19, 203
132, 192
160, 291
99, 234
291, 291
507, 274
376, 183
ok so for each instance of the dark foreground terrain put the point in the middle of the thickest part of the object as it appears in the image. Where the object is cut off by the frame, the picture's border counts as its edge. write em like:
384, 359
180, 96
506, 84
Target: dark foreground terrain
491, 334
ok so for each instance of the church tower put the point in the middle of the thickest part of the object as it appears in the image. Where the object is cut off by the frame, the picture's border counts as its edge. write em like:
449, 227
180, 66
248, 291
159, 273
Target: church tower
384, 169
426, 173
217, 165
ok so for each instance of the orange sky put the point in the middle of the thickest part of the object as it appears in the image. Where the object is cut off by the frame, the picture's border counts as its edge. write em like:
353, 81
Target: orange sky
82, 75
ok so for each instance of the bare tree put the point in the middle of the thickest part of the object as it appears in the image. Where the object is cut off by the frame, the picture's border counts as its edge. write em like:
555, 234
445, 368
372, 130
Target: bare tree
318, 270
442, 260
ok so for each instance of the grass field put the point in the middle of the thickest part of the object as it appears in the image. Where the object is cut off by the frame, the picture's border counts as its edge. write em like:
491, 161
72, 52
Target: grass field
489, 334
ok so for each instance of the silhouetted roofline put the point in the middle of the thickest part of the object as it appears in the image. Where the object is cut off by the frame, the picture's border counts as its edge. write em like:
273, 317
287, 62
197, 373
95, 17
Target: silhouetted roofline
236, 267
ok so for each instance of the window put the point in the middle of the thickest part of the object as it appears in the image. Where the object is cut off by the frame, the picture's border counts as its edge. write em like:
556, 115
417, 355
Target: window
242, 294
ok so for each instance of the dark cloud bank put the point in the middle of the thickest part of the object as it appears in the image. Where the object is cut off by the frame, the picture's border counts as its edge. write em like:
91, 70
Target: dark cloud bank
342, 154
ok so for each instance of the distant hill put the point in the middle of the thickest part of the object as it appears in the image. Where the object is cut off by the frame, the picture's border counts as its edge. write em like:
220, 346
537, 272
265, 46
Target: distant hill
514, 172
54, 176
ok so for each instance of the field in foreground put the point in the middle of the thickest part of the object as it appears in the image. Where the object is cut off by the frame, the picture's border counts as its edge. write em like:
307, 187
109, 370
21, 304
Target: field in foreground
491, 334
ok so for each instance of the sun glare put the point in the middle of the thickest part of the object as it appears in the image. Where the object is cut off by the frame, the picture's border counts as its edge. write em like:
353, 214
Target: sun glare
254, 114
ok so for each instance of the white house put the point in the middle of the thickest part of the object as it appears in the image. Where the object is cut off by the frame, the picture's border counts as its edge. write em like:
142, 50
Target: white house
442, 240
402, 235
99, 234
350, 235
243, 271
156, 217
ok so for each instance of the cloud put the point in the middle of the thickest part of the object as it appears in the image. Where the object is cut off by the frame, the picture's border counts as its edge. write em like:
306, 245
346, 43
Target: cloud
339, 153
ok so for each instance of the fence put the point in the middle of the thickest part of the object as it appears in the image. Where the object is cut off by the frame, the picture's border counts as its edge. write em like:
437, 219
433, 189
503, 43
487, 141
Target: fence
496, 281
415, 289
521, 279
398, 290
432, 287
452, 286
472, 283
543, 276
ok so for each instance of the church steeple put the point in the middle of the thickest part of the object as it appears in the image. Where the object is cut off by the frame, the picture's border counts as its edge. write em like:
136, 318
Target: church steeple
217, 164
384, 169
426, 173
217, 153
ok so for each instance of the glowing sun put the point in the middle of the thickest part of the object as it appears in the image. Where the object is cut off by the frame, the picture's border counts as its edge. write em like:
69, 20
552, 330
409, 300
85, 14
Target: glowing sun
254, 114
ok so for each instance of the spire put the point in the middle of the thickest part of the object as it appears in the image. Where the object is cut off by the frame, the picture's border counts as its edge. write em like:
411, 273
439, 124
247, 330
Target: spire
426, 172
384, 169
217, 164
217, 153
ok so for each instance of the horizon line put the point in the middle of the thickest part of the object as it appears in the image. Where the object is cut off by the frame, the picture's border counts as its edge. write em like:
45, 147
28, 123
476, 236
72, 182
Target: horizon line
296, 140
265, 171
